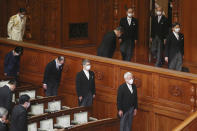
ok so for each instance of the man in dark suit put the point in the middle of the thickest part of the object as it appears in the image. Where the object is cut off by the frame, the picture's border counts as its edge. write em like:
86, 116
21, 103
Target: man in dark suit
12, 62
19, 114
159, 32
52, 76
85, 85
108, 45
6, 93
174, 51
3, 119
130, 35
127, 102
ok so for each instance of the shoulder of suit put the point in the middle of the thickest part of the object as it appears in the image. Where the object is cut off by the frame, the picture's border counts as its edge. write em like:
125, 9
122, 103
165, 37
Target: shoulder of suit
13, 17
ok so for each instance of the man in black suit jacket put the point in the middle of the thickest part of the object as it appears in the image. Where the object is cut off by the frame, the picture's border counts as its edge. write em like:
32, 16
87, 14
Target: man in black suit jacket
130, 35
12, 62
127, 102
19, 114
85, 85
6, 93
108, 45
52, 76
159, 32
174, 51
3, 119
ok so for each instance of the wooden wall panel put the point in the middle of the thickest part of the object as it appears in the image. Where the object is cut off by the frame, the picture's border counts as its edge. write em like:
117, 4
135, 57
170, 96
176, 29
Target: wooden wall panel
156, 104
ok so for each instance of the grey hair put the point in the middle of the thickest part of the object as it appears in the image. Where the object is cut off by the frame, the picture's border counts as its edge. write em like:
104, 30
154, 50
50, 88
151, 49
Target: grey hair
60, 58
3, 112
127, 74
85, 61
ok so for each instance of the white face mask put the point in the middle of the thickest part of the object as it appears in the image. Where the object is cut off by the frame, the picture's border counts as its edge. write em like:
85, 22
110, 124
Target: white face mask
16, 54
130, 14
88, 67
130, 81
28, 104
22, 16
159, 13
177, 30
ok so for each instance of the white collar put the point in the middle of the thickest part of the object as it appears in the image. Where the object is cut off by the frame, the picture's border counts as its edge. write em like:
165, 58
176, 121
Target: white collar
128, 18
85, 71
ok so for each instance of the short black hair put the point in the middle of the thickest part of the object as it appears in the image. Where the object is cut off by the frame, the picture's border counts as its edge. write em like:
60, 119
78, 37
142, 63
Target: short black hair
12, 82
60, 58
22, 10
175, 24
119, 28
23, 99
19, 49
85, 61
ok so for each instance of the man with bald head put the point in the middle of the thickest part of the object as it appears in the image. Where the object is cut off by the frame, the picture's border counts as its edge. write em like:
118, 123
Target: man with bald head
127, 102
159, 32
3, 119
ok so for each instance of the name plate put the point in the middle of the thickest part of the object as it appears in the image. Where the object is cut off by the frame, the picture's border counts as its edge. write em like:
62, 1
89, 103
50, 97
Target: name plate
81, 117
63, 121
37, 109
32, 127
2, 83
46, 125
31, 94
54, 106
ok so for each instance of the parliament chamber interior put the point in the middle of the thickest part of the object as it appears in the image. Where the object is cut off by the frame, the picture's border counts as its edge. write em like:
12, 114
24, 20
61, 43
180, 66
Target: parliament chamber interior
76, 30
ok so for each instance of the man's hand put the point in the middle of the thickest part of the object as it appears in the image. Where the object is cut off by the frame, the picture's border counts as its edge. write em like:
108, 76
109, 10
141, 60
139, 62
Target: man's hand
135, 41
80, 98
120, 40
120, 113
164, 41
166, 59
94, 96
135, 112
5, 74
44, 86
151, 40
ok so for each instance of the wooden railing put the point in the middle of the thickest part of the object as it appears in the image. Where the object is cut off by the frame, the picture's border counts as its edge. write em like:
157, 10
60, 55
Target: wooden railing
188, 124
166, 97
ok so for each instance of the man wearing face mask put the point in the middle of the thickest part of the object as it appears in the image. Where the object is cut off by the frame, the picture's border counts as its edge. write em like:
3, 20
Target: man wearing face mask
85, 85
127, 102
12, 62
108, 45
16, 25
3, 119
52, 76
129, 37
19, 114
159, 32
6, 93
174, 51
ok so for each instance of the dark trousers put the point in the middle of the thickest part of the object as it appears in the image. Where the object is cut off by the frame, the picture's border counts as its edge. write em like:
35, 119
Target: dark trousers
126, 120
157, 50
176, 62
126, 49
52, 89
86, 100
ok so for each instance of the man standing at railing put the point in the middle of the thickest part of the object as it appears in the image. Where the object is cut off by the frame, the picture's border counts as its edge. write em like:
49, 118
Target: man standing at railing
12, 62
108, 45
16, 25
52, 76
127, 102
85, 85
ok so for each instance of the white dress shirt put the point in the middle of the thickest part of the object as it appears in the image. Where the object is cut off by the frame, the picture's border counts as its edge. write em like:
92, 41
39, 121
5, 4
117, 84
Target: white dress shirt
129, 20
130, 88
159, 18
87, 74
176, 35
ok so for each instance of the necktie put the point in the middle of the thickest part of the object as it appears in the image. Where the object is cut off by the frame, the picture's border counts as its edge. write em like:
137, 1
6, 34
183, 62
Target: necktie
129, 21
